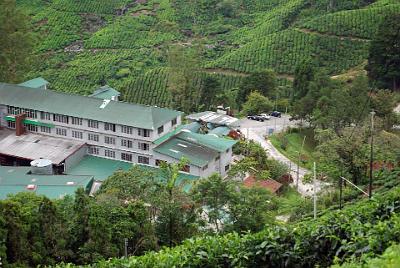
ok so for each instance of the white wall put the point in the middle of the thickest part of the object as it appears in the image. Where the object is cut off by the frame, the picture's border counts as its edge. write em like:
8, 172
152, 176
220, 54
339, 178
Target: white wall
75, 158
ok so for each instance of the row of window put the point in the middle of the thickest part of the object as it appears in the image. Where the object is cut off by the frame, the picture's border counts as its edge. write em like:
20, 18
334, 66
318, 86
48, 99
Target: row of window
79, 121
107, 139
124, 156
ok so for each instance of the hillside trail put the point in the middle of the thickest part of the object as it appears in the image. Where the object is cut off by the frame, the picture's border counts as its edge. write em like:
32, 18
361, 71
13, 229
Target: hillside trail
341, 37
305, 189
231, 72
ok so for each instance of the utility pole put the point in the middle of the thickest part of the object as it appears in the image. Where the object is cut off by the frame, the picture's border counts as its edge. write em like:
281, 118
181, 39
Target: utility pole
315, 191
371, 160
298, 164
126, 247
340, 191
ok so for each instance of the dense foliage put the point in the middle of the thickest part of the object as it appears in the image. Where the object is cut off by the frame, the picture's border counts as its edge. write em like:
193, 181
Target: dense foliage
362, 230
125, 44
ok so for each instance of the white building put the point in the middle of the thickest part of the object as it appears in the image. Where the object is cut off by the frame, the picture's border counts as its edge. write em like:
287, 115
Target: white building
112, 129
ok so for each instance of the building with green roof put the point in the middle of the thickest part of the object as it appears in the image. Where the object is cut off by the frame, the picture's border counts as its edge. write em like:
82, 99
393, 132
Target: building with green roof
206, 154
106, 128
19, 179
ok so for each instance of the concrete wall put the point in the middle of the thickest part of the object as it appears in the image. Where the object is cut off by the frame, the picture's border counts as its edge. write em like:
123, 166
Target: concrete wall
75, 158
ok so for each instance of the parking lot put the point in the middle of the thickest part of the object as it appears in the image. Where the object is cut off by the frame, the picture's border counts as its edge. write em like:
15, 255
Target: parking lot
270, 126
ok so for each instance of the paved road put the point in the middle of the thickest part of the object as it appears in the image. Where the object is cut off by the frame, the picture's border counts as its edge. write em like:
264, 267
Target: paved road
256, 131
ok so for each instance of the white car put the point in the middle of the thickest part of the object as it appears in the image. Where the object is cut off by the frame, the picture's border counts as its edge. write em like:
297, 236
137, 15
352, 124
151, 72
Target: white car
265, 116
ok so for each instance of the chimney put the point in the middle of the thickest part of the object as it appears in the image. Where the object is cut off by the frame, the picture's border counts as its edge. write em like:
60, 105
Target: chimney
19, 124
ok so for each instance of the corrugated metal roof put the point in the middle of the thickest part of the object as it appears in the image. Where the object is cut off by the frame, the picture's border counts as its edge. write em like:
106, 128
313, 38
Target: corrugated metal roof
209, 141
105, 92
34, 146
177, 148
141, 116
16, 179
38, 82
220, 131
214, 118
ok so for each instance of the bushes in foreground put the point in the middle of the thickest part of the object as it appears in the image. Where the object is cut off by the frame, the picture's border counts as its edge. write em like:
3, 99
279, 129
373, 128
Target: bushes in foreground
362, 230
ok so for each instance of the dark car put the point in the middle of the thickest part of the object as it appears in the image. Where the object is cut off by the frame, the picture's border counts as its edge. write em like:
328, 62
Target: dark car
256, 117
276, 114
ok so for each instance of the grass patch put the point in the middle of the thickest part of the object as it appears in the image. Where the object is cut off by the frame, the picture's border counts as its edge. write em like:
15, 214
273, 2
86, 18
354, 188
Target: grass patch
288, 200
290, 143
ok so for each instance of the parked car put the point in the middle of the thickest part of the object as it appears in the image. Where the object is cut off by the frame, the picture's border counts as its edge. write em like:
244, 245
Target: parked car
276, 114
265, 116
256, 117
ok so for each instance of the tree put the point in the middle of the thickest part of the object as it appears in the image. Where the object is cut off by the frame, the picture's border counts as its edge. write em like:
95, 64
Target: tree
227, 8
184, 66
257, 103
213, 193
264, 82
210, 88
303, 75
177, 218
384, 54
16, 42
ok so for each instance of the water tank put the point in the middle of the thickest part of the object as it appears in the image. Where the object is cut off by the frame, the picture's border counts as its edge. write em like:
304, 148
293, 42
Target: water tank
42, 167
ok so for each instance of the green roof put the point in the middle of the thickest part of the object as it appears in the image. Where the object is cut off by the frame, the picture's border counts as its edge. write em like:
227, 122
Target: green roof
220, 131
102, 168
141, 116
168, 135
16, 179
38, 82
209, 141
177, 148
105, 92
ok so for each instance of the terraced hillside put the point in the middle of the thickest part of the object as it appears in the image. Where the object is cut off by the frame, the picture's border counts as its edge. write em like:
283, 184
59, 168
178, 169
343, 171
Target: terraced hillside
124, 43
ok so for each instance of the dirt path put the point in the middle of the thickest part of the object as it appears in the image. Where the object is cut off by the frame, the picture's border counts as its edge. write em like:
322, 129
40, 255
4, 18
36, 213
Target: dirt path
341, 37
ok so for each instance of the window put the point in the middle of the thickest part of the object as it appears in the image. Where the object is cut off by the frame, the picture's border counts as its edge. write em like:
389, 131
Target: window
227, 167
205, 167
13, 110
126, 143
93, 124
143, 160
61, 131
158, 162
77, 134
109, 140
44, 116
10, 124
186, 169
143, 146
160, 130
143, 132
174, 121
126, 157
60, 118
126, 129
227, 150
76, 121
109, 153
217, 158
32, 128
93, 150
45, 129
109, 127
93, 137
29, 113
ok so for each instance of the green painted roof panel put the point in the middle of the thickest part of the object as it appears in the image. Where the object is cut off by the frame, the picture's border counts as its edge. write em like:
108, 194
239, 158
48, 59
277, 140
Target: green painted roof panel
209, 141
38, 82
105, 92
141, 116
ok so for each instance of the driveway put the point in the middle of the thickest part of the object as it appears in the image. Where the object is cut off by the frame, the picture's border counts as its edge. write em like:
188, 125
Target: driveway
257, 130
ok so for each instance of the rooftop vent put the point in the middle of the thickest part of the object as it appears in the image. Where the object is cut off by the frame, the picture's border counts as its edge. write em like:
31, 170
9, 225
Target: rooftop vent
70, 183
31, 187
182, 145
104, 104
174, 151
186, 130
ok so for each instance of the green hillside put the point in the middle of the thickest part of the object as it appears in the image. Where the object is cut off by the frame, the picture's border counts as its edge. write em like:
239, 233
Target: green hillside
124, 43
